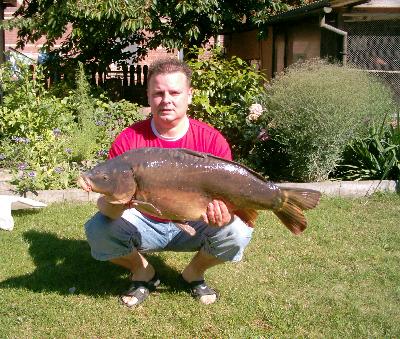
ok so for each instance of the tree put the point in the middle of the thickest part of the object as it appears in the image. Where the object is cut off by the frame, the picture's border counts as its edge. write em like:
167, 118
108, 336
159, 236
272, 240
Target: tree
97, 32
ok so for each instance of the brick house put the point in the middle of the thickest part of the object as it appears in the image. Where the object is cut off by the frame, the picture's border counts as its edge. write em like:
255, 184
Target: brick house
32, 50
364, 33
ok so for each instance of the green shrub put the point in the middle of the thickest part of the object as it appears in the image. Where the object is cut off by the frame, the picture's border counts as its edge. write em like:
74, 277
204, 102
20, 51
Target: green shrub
46, 140
225, 92
28, 109
313, 110
376, 156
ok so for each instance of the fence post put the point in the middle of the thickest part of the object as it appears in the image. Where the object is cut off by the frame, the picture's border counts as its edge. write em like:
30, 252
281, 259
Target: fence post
125, 75
32, 71
145, 73
100, 78
132, 75
138, 75
93, 75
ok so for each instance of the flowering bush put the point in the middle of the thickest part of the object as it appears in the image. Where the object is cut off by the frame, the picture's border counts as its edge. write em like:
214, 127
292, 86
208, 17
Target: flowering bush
226, 96
46, 141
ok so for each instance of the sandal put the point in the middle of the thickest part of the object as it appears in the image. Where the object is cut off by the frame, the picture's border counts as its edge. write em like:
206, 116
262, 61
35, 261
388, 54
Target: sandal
140, 290
200, 290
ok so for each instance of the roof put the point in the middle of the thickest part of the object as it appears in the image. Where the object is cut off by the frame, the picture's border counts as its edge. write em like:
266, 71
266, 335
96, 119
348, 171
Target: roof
344, 3
381, 4
9, 3
314, 7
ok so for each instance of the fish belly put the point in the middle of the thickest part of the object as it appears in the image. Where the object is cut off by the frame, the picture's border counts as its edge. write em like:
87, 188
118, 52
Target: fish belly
173, 204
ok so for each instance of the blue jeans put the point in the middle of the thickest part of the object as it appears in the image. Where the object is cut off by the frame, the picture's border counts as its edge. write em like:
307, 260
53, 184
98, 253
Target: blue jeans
111, 239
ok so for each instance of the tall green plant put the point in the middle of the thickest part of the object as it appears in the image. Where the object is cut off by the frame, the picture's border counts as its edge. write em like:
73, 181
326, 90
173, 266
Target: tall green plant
376, 156
84, 135
98, 120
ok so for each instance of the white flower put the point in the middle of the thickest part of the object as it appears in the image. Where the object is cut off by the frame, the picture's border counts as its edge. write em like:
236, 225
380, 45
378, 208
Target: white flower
256, 109
255, 112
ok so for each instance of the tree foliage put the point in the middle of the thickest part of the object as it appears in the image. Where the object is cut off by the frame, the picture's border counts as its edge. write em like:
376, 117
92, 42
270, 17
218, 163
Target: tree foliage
98, 32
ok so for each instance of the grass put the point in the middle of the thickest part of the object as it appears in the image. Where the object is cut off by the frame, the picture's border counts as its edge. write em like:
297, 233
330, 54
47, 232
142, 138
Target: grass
341, 278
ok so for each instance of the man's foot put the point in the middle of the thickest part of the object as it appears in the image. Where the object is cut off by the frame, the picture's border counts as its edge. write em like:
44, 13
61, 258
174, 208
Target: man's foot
138, 291
201, 291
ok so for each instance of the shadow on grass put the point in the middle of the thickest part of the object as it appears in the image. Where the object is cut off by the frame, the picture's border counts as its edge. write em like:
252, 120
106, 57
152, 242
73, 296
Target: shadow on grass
62, 264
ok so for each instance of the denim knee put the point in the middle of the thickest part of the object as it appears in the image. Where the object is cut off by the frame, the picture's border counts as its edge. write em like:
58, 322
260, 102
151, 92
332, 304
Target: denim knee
228, 243
107, 238
96, 228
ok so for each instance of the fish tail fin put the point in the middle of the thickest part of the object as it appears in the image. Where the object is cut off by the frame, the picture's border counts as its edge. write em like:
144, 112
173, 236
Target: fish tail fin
248, 216
296, 200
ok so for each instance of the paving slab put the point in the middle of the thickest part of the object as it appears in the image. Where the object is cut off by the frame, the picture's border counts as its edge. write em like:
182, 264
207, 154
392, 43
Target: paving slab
73, 194
349, 188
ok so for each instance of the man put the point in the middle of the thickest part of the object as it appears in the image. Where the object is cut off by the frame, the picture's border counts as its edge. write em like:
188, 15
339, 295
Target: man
122, 235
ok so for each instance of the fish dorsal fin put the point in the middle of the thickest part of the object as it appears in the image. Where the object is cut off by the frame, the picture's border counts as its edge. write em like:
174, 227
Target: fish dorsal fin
194, 153
208, 155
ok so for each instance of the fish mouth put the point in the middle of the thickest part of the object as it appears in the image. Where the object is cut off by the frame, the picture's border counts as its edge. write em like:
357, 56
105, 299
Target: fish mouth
84, 183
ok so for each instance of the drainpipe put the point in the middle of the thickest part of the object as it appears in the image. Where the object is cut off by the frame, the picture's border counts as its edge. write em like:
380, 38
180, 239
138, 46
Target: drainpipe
323, 24
2, 35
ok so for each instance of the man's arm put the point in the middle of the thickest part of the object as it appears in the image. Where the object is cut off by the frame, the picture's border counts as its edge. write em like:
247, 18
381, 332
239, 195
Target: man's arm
113, 211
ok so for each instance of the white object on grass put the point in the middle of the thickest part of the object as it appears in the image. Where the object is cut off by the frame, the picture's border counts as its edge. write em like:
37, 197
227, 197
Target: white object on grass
12, 202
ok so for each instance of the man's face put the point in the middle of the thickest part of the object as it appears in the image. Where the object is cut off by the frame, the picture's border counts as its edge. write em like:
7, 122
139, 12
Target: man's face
169, 96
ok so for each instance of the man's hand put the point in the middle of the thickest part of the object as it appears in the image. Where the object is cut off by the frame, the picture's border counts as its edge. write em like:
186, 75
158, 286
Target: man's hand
217, 214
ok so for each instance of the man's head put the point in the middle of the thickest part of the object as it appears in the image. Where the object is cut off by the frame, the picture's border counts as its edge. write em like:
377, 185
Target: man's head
169, 65
169, 93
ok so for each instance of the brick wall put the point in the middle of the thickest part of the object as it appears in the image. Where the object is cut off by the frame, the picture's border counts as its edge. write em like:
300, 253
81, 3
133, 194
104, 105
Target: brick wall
157, 54
32, 49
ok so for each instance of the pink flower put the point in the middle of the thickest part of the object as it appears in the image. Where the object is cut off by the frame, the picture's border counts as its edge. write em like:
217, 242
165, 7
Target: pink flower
263, 135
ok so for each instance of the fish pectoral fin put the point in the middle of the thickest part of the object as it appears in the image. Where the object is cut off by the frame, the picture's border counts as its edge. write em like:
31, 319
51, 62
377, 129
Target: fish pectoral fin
146, 206
249, 216
186, 228
115, 201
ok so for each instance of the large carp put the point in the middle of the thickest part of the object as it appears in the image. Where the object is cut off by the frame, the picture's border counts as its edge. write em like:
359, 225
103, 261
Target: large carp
177, 184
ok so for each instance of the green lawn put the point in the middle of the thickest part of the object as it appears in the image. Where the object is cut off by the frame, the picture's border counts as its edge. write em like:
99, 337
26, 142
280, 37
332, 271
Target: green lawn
341, 278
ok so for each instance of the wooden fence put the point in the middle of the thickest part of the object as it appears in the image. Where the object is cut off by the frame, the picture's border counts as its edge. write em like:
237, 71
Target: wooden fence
130, 83
129, 76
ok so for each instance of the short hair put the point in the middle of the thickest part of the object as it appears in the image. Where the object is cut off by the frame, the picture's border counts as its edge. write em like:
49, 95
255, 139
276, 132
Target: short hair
169, 65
